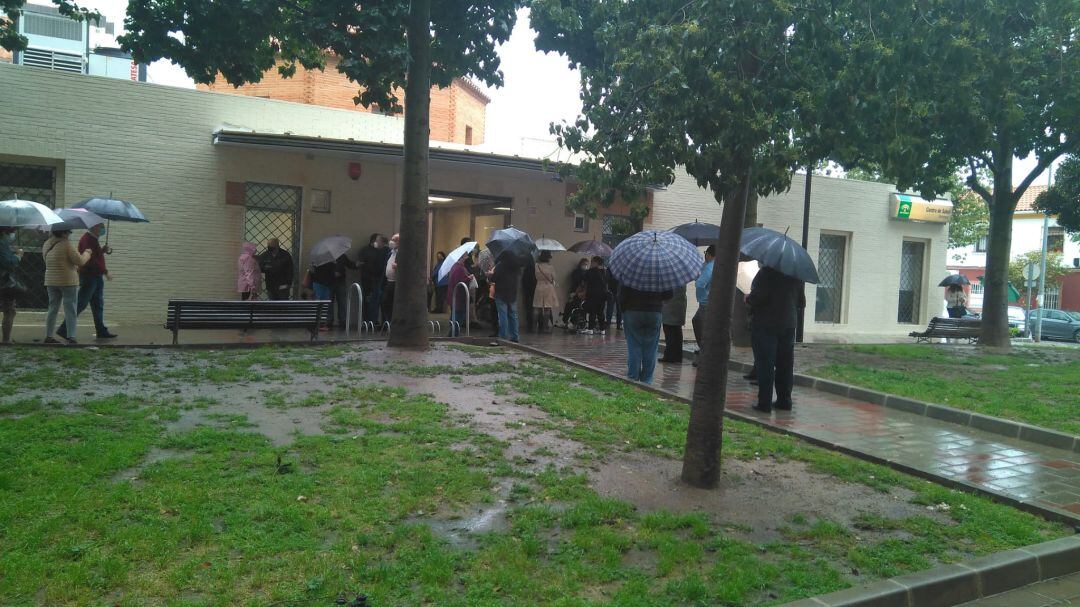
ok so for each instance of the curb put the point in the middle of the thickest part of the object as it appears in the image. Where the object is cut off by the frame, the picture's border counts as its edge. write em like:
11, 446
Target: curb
952, 585
1052, 514
977, 421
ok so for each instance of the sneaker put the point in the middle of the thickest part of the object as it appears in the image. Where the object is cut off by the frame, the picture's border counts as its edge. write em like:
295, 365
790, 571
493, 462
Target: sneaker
106, 335
53, 341
587, 332
765, 409
603, 332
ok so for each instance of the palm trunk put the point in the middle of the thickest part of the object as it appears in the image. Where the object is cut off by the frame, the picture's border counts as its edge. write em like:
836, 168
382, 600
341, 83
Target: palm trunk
701, 460
995, 316
410, 298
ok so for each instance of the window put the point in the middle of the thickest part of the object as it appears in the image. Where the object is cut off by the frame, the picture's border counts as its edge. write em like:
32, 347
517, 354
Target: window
1055, 240
830, 290
615, 229
981, 244
51, 26
581, 222
976, 288
1051, 299
273, 211
37, 183
911, 279
468, 135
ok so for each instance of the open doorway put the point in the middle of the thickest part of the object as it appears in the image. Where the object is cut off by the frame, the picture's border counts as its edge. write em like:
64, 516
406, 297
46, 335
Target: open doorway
456, 215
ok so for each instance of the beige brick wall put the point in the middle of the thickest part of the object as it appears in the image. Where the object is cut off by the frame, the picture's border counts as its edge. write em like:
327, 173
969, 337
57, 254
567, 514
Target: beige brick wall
858, 208
152, 145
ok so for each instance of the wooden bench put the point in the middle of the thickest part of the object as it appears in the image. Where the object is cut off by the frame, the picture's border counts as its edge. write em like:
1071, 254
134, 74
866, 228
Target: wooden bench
950, 328
196, 314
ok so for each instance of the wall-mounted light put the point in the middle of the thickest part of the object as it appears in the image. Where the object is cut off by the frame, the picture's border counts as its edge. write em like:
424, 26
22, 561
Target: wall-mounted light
434, 199
502, 208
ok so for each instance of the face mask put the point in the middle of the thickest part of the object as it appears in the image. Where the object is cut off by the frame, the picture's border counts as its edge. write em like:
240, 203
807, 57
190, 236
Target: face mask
392, 245
378, 245
102, 232
584, 267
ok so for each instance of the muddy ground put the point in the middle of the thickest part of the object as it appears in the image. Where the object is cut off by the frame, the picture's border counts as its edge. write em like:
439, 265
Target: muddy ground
756, 498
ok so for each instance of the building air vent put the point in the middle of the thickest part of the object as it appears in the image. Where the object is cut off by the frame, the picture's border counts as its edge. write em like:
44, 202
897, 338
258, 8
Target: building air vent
51, 60
52, 27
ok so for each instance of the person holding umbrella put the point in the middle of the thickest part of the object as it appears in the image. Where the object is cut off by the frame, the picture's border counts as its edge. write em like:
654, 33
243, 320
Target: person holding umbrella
506, 276
62, 262
92, 278
648, 266
10, 287
776, 295
546, 298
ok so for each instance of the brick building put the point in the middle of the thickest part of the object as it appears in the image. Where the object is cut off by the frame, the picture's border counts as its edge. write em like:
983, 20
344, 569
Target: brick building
458, 112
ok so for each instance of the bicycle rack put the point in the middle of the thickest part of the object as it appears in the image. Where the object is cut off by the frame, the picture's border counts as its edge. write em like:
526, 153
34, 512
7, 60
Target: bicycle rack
356, 288
386, 327
453, 309
436, 327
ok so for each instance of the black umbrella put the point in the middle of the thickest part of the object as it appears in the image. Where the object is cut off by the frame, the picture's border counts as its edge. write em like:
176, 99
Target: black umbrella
699, 234
778, 252
112, 209
591, 247
513, 243
954, 279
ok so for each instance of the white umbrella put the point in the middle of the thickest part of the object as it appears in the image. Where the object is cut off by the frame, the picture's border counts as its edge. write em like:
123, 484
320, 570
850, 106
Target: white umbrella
74, 219
747, 271
26, 213
453, 257
548, 244
329, 249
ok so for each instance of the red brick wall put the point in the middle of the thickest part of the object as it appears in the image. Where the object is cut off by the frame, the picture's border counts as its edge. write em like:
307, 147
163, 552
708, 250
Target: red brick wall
1070, 292
452, 108
6, 56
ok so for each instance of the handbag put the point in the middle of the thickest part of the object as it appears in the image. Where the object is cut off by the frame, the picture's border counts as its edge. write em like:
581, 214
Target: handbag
11, 287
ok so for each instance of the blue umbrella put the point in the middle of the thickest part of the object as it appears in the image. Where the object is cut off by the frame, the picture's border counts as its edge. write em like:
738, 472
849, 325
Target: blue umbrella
698, 233
655, 261
778, 252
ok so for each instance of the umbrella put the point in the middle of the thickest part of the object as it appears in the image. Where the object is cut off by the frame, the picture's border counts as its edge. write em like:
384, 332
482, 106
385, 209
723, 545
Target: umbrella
698, 233
591, 247
74, 219
778, 252
452, 258
954, 279
655, 261
512, 242
26, 213
548, 244
329, 249
112, 209
745, 278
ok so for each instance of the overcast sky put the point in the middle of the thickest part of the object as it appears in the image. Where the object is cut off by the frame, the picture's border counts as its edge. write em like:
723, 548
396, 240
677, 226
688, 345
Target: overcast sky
539, 89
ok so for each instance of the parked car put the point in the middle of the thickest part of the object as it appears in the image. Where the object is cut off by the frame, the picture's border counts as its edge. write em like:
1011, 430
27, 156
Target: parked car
1056, 324
1017, 320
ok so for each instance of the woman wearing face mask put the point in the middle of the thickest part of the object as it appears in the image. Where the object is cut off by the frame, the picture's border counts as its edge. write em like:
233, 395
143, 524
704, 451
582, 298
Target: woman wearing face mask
62, 263
10, 288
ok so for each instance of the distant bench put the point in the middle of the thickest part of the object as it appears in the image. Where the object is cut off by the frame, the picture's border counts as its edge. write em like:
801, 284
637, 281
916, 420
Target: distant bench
231, 314
950, 328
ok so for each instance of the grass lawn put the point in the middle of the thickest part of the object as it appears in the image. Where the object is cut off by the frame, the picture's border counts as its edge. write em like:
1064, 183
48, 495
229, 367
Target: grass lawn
1035, 385
160, 478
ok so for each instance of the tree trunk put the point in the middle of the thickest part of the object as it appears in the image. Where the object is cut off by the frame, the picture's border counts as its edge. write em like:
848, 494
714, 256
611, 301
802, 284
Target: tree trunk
409, 329
995, 316
701, 460
740, 333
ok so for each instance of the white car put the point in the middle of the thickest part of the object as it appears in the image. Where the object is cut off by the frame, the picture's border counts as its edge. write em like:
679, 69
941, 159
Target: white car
1018, 319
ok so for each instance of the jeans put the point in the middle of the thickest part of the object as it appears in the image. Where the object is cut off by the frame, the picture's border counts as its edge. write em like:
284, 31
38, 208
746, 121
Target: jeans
459, 316
92, 293
642, 330
774, 362
508, 320
69, 297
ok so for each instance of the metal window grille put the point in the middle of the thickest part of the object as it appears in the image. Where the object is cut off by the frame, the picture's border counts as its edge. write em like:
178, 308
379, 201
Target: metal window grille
52, 27
273, 211
615, 229
830, 290
976, 288
1051, 298
911, 277
36, 183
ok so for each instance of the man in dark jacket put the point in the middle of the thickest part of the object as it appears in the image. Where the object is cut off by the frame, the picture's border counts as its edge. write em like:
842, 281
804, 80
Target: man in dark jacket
372, 261
774, 299
507, 276
596, 295
277, 266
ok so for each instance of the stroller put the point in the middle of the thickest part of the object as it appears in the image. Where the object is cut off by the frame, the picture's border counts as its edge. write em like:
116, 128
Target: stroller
574, 317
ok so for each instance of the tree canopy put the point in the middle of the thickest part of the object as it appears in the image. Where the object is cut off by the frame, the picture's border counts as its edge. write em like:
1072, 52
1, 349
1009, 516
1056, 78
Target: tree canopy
1062, 198
953, 84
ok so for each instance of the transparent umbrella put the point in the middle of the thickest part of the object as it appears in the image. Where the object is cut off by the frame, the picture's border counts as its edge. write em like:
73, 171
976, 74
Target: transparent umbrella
329, 249
17, 213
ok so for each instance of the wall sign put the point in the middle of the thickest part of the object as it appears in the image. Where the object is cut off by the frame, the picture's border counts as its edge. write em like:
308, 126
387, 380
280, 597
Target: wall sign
320, 201
913, 208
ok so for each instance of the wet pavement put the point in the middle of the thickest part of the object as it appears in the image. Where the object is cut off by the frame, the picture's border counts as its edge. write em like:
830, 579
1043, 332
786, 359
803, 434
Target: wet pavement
1057, 592
1018, 470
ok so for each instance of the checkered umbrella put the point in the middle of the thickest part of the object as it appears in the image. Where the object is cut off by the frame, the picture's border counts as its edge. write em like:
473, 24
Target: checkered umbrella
655, 261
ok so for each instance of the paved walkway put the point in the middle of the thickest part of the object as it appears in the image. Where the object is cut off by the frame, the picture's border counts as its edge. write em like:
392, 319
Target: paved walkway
1044, 477
1058, 592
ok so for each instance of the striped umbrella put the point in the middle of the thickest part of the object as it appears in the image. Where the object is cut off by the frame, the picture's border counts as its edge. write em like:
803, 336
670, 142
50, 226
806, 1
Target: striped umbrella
655, 261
